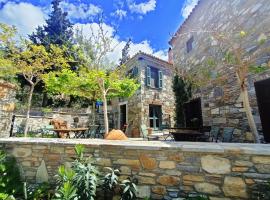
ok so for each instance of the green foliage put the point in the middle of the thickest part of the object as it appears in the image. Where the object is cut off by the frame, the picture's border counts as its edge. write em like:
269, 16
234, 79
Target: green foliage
57, 30
82, 175
195, 196
260, 191
4, 196
79, 149
10, 181
110, 180
129, 189
258, 69
39, 191
86, 83
66, 192
182, 92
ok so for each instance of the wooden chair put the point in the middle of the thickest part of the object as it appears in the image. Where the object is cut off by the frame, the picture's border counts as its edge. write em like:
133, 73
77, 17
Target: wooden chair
227, 134
214, 133
144, 132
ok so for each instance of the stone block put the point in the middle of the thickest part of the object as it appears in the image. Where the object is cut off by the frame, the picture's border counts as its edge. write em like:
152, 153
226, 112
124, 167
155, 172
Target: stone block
243, 163
128, 162
168, 180
265, 169
235, 187
146, 180
42, 174
219, 120
9, 107
215, 164
161, 190
125, 170
207, 188
261, 160
176, 157
195, 178
148, 162
143, 191
167, 165
240, 169
21, 152
105, 162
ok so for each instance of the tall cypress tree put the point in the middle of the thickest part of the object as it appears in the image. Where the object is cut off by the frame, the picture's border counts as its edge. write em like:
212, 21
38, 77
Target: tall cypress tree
57, 30
182, 92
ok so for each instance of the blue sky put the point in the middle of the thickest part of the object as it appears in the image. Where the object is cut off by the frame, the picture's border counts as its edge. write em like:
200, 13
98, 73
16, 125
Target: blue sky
149, 23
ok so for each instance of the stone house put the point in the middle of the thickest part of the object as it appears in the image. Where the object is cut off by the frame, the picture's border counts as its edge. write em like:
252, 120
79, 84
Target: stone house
153, 103
7, 106
222, 105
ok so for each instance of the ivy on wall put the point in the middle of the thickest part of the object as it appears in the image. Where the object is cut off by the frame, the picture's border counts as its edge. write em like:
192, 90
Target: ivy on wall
182, 92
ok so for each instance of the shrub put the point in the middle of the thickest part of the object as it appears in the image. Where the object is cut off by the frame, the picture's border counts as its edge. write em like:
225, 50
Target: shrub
10, 180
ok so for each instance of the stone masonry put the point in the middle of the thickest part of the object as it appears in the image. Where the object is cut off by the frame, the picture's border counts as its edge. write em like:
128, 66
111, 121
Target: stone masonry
138, 104
7, 106
165, 170
221, 103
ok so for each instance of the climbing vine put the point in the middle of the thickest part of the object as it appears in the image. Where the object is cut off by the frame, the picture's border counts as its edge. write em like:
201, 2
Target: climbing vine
182, 92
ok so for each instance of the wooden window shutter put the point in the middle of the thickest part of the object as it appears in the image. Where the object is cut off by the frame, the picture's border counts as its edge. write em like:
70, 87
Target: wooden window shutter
160, 79
148, 76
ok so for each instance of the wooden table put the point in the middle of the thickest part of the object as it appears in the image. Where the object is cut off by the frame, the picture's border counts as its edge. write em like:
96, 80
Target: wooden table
185, 134
79, 132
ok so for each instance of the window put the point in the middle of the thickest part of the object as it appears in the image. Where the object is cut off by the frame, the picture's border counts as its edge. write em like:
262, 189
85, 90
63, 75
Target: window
190, 44
133, 72
154, 77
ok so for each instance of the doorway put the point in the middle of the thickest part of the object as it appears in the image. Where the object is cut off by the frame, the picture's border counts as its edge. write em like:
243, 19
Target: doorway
155, 116
262, 89
123, 116
193, 113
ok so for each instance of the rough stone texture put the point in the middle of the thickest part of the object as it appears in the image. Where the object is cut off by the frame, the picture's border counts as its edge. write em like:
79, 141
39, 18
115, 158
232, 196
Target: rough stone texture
42, 174
207, 188
7, 106
40, 158
216, 165
221, 101
138, 104
235, 187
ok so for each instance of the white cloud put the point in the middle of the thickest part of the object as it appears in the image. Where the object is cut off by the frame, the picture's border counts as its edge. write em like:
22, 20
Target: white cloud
141, 8
118, 44
80, 11
120, 13
188, 7
25, 16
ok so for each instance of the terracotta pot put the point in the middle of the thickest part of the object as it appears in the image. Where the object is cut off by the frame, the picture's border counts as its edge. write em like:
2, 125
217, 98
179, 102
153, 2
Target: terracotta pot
135, 133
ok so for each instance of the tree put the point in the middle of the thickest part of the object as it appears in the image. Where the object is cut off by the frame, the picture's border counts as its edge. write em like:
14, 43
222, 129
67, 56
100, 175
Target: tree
182, 92
125, 53
98, 84
7, 34
57, 30
243, 62
32, 62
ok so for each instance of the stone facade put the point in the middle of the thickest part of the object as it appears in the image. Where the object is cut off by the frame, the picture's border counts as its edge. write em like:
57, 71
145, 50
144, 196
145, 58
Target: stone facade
7, 106
221, 103
165, 170
138, 104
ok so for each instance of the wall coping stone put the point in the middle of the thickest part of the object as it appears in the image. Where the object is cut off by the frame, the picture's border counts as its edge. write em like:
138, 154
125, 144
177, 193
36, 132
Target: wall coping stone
254, 149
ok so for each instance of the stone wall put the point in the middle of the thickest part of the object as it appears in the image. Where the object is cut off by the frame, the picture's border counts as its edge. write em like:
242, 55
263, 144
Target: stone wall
38, 122
165, 170
221, 103
7, 106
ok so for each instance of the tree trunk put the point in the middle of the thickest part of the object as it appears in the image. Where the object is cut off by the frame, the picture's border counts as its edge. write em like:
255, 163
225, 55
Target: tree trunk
105, 113
251, 122
28, 109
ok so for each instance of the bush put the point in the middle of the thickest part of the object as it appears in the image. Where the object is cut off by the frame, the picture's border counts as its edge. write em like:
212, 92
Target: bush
10, 180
